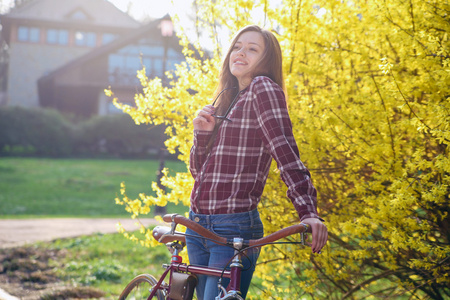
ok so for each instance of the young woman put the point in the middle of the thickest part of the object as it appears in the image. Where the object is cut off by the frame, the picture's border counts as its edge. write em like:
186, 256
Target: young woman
234, 143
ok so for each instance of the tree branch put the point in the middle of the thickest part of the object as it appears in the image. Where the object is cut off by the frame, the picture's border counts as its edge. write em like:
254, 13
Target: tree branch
366, 282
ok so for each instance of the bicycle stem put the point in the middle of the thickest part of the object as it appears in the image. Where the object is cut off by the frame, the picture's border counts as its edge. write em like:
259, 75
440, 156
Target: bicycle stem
236, 266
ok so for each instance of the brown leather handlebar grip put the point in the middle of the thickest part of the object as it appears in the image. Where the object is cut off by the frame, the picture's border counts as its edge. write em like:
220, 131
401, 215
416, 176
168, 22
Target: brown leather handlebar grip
277, 235
162, 235
194, 226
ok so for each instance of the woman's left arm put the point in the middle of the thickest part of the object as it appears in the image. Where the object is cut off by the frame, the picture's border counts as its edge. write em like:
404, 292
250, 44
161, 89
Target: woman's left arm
276, 131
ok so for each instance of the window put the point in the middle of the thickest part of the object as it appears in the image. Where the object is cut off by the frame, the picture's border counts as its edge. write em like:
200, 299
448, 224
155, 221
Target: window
28, 34
79, 15
123, 68
107, 38
83, 38
57, 36
173, 58
123, 64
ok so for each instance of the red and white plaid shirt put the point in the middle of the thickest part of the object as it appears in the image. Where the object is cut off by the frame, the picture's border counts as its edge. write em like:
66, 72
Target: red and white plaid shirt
231, 177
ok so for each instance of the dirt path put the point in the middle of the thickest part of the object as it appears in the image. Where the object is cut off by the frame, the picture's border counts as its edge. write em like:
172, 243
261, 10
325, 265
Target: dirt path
15, 233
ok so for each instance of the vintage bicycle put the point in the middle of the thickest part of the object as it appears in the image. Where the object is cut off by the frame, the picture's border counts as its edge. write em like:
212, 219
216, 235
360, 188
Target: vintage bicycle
182, 278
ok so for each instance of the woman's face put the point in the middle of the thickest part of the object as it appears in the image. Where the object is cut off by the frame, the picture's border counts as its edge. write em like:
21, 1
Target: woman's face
245, 55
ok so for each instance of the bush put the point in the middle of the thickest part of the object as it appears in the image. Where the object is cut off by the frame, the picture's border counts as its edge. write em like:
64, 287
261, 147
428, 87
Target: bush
46, 133
34, 131
118, 136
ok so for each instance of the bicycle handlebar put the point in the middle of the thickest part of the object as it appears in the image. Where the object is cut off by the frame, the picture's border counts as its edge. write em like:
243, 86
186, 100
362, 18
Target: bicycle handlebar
277, 235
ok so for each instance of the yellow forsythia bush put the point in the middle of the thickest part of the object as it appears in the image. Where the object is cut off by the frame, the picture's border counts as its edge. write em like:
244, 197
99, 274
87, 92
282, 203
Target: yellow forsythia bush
369, 96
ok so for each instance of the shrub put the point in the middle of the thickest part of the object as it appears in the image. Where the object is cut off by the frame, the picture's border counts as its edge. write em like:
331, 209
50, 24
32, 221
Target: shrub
34, 131
46, 133
118, 136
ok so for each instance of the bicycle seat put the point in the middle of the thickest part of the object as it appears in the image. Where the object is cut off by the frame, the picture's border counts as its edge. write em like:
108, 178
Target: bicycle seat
162, 235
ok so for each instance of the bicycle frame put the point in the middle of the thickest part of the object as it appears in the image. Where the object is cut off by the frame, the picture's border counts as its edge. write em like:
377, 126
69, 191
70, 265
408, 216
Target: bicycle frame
234, 274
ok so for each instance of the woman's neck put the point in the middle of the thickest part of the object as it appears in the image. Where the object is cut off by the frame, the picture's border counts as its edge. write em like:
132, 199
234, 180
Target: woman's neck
244, 83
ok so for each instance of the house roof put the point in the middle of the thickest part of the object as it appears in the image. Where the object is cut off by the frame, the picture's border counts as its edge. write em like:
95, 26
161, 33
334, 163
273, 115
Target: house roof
94, 12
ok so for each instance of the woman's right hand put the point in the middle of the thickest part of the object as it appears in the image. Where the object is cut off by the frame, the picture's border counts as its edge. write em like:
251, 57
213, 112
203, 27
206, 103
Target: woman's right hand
204, 120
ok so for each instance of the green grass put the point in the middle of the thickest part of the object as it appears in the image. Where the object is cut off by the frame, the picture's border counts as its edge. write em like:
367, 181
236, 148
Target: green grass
107, 262
33, 187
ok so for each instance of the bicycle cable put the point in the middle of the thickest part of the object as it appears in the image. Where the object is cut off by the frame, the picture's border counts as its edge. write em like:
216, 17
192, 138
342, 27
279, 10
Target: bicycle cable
241, 251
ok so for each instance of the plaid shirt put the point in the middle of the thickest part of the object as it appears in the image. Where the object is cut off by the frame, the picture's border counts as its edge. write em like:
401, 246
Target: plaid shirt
231, 178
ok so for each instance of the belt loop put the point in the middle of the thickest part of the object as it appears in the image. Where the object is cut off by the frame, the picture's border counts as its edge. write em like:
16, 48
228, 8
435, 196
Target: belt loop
250, 213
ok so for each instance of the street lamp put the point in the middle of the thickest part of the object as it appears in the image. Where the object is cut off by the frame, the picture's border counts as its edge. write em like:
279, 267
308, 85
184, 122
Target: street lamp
166, 27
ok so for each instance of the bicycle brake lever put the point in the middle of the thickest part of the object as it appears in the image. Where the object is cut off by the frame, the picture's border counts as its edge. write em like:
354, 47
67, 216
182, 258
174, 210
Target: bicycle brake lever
302, 235
173, 226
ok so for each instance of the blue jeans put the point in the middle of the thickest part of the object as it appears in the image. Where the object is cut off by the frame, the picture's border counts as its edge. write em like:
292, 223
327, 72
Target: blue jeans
203, 252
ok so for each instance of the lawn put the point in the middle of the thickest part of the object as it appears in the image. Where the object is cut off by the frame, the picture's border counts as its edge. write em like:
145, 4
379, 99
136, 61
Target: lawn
39, 187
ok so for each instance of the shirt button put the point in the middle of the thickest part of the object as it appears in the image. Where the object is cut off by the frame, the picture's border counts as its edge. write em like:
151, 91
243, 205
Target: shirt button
197, 219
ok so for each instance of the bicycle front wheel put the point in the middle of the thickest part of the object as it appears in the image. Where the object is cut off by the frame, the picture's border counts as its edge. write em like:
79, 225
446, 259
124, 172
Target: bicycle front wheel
140, 288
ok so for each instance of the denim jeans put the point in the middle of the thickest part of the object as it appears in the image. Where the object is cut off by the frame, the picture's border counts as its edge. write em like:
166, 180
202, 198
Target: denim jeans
203, 252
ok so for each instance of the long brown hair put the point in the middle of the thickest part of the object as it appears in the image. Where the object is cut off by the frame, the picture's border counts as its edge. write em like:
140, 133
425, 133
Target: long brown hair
270, 65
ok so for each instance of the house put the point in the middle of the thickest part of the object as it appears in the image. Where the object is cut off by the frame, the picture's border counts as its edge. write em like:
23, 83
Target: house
64, 53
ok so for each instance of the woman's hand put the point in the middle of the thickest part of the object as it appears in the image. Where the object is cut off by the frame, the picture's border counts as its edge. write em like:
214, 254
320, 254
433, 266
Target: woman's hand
319, 234
204, 120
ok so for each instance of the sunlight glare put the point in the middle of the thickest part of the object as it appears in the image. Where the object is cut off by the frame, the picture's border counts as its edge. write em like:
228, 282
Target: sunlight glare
141, 9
